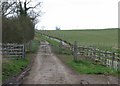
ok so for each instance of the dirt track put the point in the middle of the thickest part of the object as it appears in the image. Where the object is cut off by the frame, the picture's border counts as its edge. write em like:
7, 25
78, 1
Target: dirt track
48, 69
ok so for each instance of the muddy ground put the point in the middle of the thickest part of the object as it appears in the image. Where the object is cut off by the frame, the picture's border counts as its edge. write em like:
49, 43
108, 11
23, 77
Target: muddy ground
48, 69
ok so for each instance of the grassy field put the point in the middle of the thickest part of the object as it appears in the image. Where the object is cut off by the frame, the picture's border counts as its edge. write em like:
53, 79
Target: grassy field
104, 39
82, 67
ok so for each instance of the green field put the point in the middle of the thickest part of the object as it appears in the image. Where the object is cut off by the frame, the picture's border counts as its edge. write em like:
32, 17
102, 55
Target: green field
104, 39
82, 66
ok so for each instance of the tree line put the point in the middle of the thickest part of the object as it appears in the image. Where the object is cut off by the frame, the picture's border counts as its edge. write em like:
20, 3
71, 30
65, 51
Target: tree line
18, 21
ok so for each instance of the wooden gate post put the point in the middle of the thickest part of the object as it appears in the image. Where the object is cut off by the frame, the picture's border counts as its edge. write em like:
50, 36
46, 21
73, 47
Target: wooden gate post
113, 58
119, 67
105, 58
75, 51
60, 46
23, 53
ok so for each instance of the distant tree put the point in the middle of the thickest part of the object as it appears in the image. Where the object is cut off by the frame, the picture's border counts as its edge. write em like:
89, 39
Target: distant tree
43, 27
58, 28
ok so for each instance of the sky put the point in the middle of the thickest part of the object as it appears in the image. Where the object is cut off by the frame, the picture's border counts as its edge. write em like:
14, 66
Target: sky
79, 14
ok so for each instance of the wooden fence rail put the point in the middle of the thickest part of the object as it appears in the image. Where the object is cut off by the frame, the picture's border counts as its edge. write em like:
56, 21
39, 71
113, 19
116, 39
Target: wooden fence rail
109, 59
106, 58
17, 50
0, 48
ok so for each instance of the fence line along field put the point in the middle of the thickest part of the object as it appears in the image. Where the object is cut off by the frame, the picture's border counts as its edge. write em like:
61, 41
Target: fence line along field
106, 58
106, 39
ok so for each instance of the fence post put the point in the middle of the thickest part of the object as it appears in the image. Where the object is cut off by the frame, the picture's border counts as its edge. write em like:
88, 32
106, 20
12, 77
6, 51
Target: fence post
113, 58
94, 53
75, 51
60, 46
119, 67
23, 54
105, 58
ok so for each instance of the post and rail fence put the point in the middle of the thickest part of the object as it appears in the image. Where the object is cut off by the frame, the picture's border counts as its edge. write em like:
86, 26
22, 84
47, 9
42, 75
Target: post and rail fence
106, 58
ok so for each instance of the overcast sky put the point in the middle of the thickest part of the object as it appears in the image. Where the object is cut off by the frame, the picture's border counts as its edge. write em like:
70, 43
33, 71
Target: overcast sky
79, 14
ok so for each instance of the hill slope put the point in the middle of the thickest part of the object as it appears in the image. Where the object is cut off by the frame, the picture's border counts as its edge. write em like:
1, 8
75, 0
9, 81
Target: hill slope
105, 38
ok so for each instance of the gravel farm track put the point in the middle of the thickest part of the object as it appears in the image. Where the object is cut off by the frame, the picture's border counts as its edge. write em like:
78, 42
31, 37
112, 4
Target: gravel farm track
48, 69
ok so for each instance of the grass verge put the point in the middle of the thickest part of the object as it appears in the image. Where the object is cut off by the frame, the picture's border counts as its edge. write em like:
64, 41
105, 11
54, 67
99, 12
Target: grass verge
84, 66
34, 46
13, 66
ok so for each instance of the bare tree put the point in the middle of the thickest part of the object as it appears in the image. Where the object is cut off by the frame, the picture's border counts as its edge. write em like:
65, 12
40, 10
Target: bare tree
57, 28
23, 23
21, 8
8, 8
25, 10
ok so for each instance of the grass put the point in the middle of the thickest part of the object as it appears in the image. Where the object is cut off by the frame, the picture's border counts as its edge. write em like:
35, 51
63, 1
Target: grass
34, 46
106, 39
12, 66
84, 66
55, 45
87, 67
